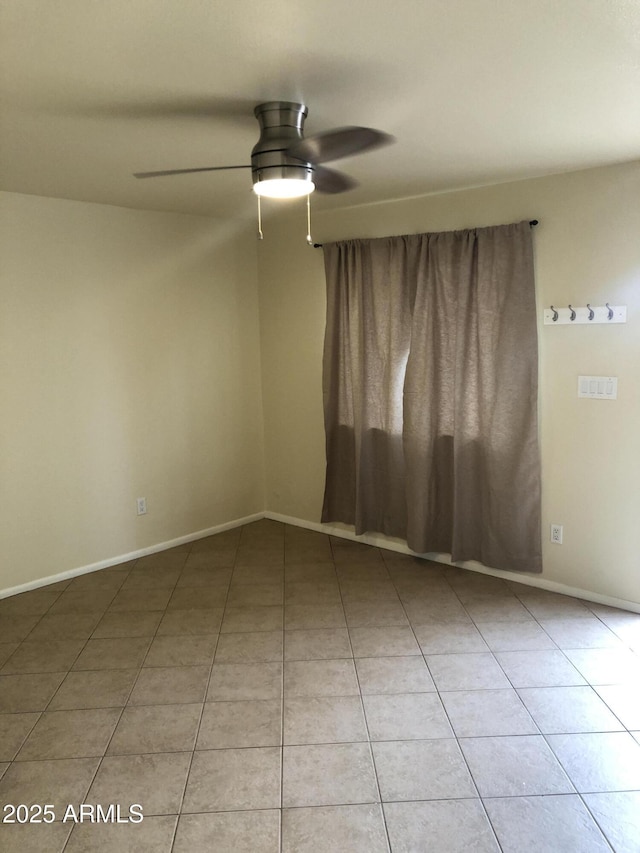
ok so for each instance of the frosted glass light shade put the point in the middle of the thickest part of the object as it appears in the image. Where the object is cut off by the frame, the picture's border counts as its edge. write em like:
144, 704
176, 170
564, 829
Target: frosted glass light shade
284, 188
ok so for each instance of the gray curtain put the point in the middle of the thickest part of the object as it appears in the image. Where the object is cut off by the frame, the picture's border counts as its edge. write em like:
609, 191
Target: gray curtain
430, 393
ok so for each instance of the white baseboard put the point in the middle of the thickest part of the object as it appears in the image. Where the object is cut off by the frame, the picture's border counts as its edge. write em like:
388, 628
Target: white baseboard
377, 540
381, 541
133, 555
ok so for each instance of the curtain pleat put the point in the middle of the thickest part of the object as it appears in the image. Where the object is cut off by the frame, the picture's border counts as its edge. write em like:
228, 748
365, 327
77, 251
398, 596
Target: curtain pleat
430, 393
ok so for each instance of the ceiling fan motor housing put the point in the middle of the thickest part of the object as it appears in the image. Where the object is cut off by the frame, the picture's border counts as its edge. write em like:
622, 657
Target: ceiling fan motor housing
281, 126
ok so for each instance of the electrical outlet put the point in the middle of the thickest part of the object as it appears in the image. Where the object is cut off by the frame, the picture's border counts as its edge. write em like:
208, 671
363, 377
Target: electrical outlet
556, 534
141, 505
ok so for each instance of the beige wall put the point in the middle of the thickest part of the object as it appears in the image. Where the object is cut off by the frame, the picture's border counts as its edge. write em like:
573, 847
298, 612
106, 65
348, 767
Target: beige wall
129, 367
130, 359
587, 250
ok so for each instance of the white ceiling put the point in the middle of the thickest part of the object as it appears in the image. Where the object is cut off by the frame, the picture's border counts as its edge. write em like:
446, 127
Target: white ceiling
476, 92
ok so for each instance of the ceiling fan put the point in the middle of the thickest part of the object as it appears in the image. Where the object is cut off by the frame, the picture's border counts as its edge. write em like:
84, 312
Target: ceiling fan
285, 164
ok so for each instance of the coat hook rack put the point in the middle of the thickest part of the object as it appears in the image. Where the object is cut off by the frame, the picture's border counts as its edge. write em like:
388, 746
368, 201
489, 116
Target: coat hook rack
588, 314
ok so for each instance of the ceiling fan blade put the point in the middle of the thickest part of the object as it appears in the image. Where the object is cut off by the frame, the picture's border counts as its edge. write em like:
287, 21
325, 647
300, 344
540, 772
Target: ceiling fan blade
330, 181
186, 171
338, 143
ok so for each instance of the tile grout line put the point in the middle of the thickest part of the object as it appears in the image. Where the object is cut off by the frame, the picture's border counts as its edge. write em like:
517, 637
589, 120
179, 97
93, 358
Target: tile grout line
284, 577
457, 740
55, 692
45, 709
125, 705
365, 719
204, 702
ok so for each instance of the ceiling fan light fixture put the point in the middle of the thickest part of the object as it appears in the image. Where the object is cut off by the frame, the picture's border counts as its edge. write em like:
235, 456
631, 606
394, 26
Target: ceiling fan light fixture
284, 187
285, 164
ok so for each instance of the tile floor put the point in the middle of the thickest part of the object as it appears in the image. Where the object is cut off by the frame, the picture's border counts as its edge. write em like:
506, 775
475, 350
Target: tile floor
272, 689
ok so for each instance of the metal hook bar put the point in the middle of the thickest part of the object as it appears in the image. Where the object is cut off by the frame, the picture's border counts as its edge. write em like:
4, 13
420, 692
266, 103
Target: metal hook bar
591, 312
555, 314
610, 310
573, 313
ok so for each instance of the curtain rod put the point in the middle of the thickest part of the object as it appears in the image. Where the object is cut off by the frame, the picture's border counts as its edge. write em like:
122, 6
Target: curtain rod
532, 223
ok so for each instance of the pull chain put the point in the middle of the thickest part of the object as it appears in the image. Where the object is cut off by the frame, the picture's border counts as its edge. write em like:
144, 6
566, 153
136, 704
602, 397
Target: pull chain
260, 234
309, 237
309, 240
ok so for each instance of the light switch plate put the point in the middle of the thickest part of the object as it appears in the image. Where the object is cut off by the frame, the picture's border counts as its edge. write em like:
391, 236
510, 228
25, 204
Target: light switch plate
598, 387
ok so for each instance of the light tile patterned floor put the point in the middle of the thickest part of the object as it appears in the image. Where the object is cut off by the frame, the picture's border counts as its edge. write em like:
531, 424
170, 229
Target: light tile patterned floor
272, 690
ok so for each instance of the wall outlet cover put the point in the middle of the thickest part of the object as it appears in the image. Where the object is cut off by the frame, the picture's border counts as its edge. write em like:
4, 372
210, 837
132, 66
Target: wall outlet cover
556, 534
